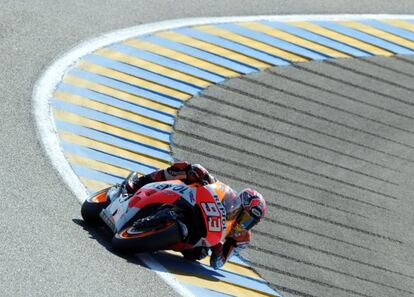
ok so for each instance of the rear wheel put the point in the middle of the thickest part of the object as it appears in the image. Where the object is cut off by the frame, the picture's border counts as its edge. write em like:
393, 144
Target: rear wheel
92, 207
131, 240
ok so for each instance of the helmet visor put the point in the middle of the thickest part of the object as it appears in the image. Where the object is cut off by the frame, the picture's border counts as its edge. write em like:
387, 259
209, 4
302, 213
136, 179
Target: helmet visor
247, 221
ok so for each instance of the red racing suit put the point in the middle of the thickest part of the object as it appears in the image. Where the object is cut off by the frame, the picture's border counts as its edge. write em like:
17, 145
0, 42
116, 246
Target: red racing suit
188, 173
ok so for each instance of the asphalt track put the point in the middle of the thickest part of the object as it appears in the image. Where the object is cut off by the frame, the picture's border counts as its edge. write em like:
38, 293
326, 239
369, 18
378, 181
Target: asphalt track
44, 249
334, 165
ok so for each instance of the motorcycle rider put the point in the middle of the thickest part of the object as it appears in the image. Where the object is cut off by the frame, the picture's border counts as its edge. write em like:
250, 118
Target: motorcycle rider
247, 208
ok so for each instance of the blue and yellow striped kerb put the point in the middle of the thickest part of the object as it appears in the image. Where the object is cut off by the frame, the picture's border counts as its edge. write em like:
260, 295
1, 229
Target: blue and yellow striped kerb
115, 109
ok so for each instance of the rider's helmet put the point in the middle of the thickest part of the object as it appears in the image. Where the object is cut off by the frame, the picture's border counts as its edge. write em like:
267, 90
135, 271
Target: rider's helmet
253, 208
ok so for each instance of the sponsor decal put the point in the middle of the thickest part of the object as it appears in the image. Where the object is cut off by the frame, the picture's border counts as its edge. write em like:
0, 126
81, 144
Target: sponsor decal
221, 209
256, 212
213, 216
183, 190
191, 196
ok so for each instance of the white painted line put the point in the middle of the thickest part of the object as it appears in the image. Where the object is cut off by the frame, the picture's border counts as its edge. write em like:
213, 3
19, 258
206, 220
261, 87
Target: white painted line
42, 94
46, 85
150, 262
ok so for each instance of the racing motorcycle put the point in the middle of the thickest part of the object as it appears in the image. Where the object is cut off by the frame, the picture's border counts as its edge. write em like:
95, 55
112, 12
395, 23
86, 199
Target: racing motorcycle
168, 215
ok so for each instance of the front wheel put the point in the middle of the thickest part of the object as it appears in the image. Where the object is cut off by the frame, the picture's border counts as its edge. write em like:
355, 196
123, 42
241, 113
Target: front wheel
92, 207
131, 240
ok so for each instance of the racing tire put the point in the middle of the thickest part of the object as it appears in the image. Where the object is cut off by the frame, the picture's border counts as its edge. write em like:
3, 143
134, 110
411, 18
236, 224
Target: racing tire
130, 240
92, 207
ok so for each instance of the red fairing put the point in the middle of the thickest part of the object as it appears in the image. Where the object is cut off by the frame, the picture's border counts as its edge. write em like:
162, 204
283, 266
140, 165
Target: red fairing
212, 216
149, 196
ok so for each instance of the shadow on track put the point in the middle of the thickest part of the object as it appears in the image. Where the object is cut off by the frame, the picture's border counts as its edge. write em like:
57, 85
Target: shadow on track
103, 237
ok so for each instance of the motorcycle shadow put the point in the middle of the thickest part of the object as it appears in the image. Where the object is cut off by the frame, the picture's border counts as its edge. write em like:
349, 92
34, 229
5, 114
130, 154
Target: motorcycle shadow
172, 261
103, 236
178, 265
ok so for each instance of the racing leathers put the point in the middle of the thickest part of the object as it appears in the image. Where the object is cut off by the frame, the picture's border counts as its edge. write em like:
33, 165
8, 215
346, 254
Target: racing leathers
236, 239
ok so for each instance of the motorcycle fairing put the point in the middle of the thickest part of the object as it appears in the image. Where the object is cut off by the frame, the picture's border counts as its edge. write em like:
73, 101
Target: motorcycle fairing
124, 207
188, 193
213, 215
118, 213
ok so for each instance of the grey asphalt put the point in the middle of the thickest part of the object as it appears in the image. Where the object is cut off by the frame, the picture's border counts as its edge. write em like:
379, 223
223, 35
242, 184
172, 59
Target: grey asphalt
330, 144
334, 158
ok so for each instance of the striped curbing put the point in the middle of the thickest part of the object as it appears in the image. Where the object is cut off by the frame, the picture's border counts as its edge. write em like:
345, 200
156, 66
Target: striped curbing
114, 110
